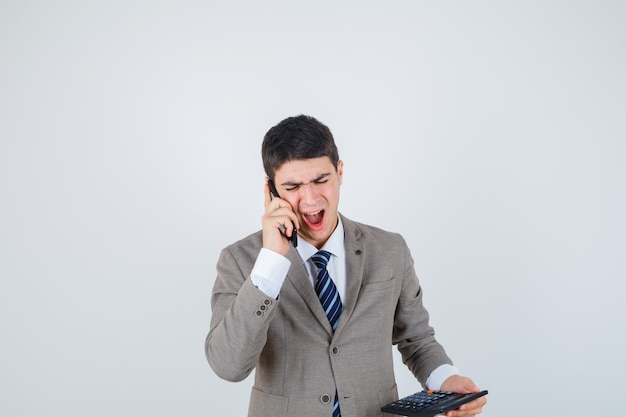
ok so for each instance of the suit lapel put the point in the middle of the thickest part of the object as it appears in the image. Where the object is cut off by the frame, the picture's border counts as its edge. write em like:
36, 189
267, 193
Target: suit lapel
354, 270
299, 278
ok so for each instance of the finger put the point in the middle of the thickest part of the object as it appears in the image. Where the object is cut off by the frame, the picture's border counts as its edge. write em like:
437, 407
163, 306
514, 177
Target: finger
477, 404
278, 207
290, 228
464, 413
471, 386
460, 384
470, 409
467, 386
274, 204
285, 218
268, 196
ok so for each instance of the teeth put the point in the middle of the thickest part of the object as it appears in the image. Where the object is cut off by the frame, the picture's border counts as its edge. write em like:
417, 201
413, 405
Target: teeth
313, 214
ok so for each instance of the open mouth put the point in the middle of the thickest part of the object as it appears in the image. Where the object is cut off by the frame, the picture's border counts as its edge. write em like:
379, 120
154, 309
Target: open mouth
314, 218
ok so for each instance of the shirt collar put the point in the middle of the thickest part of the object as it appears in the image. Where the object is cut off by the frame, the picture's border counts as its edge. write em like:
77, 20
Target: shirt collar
334, 244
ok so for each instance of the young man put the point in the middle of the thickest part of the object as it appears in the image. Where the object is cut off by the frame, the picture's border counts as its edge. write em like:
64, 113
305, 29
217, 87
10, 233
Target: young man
318, 321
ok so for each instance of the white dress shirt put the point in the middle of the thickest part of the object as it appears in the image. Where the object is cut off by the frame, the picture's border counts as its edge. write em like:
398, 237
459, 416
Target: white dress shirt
270, 271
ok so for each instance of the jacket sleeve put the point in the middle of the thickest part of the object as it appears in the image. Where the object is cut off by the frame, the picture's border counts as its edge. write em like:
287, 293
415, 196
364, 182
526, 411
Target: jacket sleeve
414, 336
241, 314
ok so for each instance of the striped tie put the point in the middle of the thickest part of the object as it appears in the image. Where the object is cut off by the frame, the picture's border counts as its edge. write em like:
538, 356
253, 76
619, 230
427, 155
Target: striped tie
330, 299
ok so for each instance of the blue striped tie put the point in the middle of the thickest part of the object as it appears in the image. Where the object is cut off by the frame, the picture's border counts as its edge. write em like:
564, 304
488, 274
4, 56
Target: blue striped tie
330, 299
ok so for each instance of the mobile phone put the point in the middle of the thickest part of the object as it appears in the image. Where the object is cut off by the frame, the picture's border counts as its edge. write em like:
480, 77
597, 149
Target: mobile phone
294, 235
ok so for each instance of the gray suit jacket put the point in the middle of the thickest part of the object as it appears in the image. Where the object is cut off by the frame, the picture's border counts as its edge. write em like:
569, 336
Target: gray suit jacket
299, 361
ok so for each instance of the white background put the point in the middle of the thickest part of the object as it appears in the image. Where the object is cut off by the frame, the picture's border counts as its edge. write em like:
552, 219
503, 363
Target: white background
490, 134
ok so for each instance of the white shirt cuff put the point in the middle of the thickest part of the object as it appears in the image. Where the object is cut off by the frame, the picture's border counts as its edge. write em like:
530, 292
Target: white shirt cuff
439, 375
269, 272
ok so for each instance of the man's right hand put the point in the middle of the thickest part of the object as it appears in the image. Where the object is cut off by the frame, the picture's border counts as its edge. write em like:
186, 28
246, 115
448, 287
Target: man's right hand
278, 216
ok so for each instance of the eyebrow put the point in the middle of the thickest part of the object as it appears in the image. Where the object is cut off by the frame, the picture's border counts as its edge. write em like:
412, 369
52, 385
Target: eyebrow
316, 179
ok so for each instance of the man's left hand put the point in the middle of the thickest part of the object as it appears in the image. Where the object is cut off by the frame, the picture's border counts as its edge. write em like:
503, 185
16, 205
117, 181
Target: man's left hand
464, 385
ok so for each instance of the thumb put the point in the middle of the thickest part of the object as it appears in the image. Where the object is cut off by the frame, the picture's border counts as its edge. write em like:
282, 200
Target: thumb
468, 386
460, 384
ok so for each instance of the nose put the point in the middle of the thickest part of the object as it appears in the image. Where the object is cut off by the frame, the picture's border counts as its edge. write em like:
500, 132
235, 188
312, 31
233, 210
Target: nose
308, 196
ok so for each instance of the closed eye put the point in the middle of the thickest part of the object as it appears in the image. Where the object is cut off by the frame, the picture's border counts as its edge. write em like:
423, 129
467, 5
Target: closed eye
322, 179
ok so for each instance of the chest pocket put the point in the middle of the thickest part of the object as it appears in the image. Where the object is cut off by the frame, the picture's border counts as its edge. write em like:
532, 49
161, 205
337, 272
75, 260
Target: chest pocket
378, 285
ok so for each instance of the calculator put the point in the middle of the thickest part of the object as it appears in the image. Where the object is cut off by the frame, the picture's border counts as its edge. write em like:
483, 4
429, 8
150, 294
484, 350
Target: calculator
430, 403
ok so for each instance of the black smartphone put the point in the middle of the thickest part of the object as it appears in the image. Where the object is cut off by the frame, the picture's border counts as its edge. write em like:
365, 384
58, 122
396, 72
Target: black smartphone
294, 235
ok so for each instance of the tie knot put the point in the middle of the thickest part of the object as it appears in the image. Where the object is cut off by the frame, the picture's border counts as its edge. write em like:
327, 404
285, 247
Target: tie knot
320, 259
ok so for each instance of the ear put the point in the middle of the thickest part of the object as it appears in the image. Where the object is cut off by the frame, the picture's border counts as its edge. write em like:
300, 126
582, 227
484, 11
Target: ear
340, 171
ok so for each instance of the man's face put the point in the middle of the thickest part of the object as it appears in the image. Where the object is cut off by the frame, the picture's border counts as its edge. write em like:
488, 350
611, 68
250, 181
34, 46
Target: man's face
311, 186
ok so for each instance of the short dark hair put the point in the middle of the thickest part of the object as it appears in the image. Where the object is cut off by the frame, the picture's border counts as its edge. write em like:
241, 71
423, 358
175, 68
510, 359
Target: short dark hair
297, 137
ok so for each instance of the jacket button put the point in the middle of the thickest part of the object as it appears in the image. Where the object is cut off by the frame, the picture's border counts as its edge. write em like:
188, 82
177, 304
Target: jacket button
259, 313
325, 399
267, 302
335, 350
